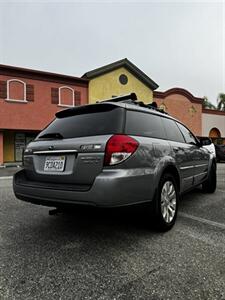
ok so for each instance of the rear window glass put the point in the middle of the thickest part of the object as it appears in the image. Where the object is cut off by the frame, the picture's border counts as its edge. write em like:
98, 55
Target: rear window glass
108, 120
144, 124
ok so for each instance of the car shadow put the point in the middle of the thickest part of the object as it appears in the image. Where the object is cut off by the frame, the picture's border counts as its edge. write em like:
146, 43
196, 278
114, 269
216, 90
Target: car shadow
91, 218
92, 221
85, 228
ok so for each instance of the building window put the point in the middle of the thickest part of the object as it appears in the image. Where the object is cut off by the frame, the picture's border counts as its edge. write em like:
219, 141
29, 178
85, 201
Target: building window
123, 79
66, 96
16, 90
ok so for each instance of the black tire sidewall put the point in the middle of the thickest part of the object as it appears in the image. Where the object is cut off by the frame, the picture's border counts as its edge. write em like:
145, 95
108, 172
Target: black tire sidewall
209, 186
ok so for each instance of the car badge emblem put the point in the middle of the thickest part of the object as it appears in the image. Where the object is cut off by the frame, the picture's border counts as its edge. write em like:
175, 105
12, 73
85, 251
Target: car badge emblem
51, 148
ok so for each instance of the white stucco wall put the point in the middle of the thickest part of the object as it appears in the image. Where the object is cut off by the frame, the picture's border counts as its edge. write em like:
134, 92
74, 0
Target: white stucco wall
210, 121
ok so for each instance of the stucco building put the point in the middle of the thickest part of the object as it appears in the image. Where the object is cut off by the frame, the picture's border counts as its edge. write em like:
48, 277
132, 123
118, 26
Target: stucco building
119, 78
182, 105
213, 125
29, 100
124, 77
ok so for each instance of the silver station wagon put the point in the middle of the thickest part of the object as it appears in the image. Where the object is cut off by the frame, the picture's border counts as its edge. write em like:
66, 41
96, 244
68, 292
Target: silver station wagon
115, 153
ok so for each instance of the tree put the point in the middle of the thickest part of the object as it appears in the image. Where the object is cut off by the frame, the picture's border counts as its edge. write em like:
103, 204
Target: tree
221, 102
207, 104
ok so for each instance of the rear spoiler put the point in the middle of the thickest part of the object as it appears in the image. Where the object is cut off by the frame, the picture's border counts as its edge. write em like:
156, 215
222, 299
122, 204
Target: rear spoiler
85, 109
129, 98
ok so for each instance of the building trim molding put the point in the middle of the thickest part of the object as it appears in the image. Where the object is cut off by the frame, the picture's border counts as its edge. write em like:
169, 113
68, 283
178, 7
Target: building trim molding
133, 69
42, 75
213, 112
60, 100
24, 91
180, 91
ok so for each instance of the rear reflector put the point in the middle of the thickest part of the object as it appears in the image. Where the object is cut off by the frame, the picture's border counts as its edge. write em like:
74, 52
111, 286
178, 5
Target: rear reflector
119, 148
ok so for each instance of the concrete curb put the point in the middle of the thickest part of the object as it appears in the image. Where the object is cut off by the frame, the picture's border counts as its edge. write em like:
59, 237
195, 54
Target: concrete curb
6, 177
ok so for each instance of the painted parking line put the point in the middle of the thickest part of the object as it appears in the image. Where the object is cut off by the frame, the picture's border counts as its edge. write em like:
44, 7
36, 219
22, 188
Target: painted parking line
6, 177
202, 220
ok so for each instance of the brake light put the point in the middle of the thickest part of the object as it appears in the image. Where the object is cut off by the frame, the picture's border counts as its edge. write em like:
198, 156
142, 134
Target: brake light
119, 148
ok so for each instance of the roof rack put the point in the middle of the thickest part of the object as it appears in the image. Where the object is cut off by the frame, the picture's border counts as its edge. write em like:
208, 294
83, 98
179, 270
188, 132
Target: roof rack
122, 98
131, 99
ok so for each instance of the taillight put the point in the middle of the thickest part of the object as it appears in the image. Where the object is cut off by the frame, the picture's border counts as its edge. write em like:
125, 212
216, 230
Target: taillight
119, 148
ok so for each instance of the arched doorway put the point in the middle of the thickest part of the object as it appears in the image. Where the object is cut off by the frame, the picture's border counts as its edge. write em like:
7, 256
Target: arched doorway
215, 135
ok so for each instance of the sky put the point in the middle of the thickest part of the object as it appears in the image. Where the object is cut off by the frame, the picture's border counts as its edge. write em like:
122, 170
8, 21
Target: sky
176, 43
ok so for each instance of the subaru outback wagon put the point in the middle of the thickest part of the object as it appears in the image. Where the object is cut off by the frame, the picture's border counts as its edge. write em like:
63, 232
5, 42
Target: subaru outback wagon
115, 153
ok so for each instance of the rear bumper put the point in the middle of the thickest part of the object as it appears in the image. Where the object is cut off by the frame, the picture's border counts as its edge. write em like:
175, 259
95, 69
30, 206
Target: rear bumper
111, 188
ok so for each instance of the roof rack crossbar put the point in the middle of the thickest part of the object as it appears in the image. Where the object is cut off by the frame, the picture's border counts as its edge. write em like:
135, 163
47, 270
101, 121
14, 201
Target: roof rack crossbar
150, 106
131, 96
131, 99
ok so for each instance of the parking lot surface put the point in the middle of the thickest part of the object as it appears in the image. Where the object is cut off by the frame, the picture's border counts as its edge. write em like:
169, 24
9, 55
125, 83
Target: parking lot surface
112, 254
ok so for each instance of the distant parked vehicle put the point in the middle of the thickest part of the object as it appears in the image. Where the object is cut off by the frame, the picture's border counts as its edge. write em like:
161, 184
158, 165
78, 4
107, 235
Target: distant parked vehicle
220, 152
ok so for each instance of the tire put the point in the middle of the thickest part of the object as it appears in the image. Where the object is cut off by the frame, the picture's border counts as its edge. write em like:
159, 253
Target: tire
166, 203
209, 186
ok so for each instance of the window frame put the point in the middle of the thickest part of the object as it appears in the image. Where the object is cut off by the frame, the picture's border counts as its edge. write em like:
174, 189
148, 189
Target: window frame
73, 97
24, 100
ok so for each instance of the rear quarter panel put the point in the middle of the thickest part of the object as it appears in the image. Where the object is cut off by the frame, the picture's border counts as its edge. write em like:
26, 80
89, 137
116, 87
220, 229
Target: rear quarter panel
147, 164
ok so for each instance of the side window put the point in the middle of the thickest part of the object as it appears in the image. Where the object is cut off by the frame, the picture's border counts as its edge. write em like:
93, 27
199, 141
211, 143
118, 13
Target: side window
144, 124
172, 131
189, 138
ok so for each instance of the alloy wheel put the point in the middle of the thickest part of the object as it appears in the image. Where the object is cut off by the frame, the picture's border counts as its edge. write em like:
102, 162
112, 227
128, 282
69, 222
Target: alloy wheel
168, 201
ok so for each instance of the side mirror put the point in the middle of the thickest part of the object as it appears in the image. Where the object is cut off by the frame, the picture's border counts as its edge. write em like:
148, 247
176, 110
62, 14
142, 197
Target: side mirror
204, 141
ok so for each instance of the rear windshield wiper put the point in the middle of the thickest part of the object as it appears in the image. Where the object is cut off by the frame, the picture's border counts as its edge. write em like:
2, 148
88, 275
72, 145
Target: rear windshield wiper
51, 136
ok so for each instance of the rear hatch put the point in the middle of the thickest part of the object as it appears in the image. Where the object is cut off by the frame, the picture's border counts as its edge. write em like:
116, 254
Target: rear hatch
71, 149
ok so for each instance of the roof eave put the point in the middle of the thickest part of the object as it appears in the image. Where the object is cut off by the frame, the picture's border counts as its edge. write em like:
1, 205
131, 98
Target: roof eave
8, 69
129, 66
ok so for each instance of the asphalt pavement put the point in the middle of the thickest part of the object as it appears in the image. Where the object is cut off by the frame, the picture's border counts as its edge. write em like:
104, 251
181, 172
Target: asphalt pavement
8, 171
112, 254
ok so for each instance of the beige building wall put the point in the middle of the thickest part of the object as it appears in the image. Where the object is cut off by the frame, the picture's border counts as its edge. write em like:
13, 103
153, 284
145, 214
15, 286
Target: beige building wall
210, 121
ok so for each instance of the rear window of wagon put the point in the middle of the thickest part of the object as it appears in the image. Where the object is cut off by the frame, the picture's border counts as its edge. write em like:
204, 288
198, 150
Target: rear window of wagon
86, 121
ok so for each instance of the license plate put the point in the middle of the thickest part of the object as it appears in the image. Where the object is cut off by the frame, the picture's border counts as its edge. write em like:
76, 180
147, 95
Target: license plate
55, 163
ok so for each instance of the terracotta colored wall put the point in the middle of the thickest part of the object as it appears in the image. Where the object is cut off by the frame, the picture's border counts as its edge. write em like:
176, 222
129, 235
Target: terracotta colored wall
183, 109
34, 115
